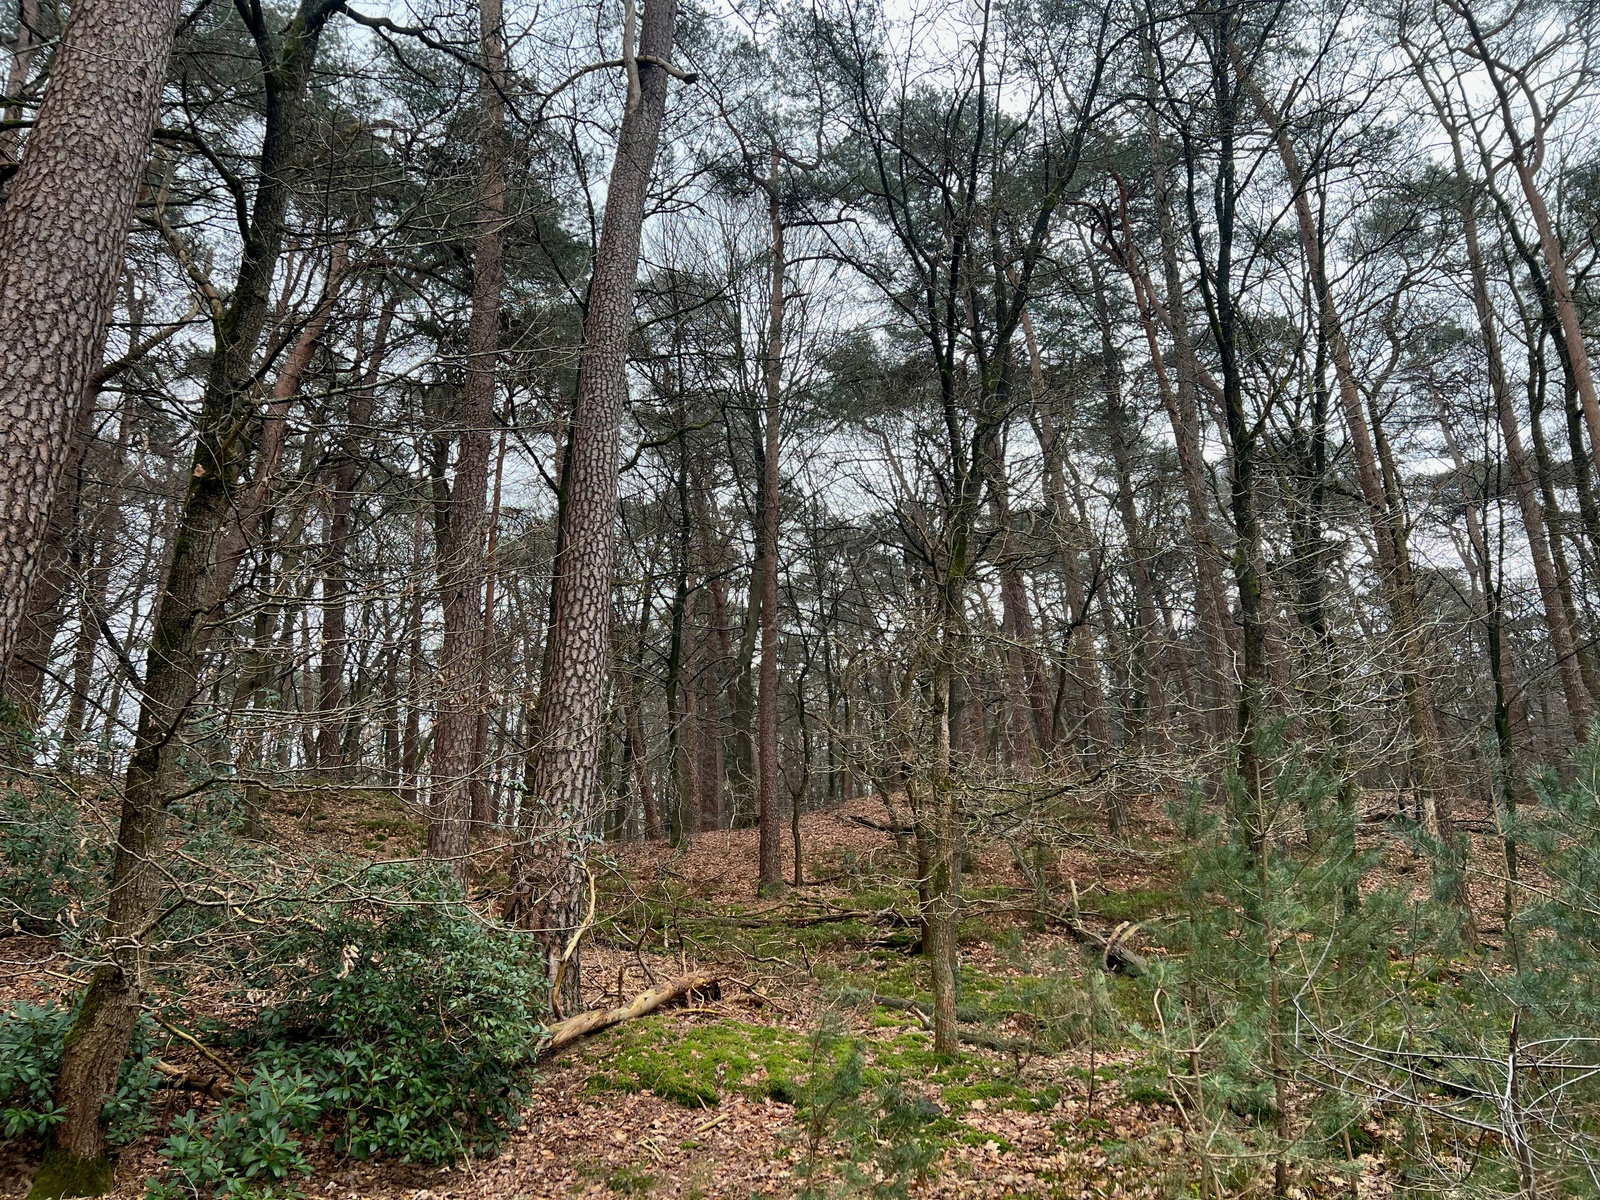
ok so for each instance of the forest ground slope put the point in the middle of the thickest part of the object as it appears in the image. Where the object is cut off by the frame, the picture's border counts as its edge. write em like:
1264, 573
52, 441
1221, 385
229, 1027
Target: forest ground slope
808, 1065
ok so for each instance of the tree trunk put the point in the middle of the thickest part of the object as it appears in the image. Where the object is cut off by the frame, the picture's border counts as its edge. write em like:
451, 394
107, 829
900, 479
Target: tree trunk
1563, 643
549, 878
485, 809
1154, 732
1212, 614
98, 1041
343, 478
1526, 159
62, 231
1383, 509
770, 840
461, 574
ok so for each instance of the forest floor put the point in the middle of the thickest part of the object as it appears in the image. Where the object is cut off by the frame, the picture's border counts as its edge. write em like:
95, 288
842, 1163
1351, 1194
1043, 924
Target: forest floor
1065, 1100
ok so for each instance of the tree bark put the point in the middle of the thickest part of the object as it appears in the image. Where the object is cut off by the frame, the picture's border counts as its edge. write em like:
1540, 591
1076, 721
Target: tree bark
461, 574
548, 885
98, 1041
62, 231
342, 481
771, 815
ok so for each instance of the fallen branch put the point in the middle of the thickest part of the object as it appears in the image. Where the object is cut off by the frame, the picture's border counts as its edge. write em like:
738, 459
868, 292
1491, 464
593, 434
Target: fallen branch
218, 1087
1114, 956
897, 831
564, 1033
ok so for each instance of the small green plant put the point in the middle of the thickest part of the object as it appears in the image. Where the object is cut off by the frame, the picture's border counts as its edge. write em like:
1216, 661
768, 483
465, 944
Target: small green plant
863, 1128
31, 1041
249, 1149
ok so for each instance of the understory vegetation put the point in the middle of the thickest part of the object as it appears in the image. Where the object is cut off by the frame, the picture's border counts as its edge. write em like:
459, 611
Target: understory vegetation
1308, 1010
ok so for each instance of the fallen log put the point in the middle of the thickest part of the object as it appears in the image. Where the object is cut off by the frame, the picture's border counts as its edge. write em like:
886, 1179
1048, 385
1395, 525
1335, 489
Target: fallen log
1115, 957
896, 831
564, 1033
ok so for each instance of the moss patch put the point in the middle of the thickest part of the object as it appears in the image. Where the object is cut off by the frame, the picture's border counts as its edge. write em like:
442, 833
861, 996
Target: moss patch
63, 1174
694, 1065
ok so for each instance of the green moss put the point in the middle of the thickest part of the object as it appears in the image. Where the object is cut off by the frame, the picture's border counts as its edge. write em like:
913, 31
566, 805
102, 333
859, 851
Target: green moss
912, 1054
693, 1066
969, 1136
1146, 1087
62, 1174
630, 1181
1133, 906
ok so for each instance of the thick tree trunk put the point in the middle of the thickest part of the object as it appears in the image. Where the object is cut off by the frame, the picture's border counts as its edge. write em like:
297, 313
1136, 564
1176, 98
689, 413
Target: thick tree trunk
62, 231
27, 670
98, 1041
550, 875
461, 574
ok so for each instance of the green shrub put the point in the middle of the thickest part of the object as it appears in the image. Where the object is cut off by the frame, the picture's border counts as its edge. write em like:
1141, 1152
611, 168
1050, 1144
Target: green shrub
415, 1020
31, 1041
249, 1149
46, 858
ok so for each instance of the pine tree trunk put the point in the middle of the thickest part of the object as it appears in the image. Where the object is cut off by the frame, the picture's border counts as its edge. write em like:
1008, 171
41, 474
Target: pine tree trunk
549, 880
343, 478
1153, 722
62, 231
1212, 614
1381, 497
1563, 643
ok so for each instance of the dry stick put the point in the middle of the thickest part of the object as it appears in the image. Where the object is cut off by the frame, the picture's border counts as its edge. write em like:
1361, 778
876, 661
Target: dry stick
566, 1032
197, 1044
